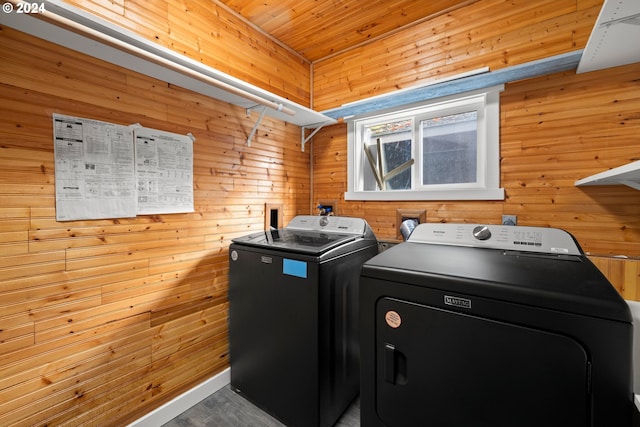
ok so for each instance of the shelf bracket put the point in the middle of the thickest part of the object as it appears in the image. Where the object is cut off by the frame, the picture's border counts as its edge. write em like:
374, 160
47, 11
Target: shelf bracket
304, 140
633, 184
255, 127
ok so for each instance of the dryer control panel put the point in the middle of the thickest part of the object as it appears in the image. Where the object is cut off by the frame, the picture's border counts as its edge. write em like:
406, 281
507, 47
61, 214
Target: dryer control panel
517, 238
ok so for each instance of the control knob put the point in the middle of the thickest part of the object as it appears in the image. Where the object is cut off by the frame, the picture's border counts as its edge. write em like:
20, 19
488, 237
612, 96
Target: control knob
481, 232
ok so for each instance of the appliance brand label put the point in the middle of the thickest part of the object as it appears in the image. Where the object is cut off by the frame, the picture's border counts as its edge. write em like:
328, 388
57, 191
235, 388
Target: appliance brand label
457, 301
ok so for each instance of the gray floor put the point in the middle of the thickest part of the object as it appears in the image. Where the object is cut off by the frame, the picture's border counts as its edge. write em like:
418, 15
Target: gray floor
227, 409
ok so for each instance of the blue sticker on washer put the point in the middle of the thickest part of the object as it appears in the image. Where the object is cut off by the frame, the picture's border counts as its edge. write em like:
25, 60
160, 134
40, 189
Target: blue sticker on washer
294, 268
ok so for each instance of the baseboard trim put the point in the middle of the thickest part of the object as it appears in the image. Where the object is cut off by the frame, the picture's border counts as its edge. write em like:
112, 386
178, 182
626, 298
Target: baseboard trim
186, 400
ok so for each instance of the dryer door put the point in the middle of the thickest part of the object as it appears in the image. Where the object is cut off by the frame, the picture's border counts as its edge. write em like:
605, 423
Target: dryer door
442, 368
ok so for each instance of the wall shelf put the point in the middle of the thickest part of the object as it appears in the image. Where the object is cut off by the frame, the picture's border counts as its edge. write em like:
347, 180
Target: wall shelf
628, 174
554, 64
101, 39
610, 43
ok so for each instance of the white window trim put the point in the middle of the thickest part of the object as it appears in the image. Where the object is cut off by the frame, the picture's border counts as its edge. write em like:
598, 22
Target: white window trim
488, 187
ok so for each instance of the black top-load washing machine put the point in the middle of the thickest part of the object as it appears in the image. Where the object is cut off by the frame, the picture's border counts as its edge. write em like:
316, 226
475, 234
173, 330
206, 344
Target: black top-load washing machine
497, 326
293, 317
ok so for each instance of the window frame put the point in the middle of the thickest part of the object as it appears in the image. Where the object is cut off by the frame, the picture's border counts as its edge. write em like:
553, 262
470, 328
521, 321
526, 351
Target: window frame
487, 186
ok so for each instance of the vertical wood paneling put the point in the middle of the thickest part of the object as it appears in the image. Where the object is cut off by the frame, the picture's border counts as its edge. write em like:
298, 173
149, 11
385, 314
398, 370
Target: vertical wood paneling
102, 321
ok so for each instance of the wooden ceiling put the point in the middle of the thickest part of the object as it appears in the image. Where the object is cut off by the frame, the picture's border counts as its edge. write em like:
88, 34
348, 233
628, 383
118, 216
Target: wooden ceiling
316, 29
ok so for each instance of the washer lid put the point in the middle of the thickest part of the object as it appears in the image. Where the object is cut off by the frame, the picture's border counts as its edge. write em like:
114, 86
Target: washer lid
311, 235
303, 241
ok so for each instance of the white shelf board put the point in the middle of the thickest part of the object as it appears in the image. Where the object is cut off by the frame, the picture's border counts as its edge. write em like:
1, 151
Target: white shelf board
29, 24
628, 174
611, 42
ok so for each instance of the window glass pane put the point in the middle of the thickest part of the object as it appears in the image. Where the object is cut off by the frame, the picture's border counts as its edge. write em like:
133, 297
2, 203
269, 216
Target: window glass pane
395, 145
449, 149
395, 154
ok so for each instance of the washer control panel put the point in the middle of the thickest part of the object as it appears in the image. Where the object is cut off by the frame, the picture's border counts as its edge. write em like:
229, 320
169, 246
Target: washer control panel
518, 238
329, 224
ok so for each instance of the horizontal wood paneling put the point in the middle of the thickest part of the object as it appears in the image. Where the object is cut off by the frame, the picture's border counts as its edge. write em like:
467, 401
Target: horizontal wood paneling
624, 275
204, 31
554, 130
102, 321
492, 33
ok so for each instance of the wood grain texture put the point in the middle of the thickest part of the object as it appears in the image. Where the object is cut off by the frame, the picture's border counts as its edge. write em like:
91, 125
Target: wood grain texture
491, 33
320, 28
102, 321
539, 170
204, 31
554, 130
624, 275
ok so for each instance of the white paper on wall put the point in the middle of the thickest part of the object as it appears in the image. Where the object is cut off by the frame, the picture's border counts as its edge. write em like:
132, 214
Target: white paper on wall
94, 169
164, 171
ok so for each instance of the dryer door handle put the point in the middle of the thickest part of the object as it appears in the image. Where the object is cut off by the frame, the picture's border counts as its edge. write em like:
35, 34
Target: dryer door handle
395, 365
390, 363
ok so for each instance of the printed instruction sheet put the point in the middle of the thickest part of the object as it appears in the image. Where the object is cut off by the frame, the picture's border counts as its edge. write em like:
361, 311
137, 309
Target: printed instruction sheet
94, 169
105, 170
164, 171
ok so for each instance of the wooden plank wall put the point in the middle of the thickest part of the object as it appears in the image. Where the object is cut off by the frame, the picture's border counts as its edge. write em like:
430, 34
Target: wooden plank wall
624, 274
102, 321
554, 129
207, 32
493, 33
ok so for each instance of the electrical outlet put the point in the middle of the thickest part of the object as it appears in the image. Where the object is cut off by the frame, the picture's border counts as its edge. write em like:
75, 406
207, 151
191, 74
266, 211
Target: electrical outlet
509, 220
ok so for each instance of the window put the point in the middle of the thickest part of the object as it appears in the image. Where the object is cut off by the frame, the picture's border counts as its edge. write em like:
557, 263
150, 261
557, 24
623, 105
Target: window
450, 149
445, 150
